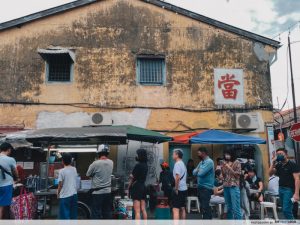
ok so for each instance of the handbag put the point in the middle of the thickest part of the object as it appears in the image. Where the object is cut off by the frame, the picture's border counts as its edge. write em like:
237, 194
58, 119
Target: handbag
23, 206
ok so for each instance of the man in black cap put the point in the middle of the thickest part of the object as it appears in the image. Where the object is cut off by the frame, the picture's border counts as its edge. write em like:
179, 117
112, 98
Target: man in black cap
7, 173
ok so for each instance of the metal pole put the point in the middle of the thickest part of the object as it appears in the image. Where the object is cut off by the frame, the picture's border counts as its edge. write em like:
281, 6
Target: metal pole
292, 81
125, 170
47, 167
297, 156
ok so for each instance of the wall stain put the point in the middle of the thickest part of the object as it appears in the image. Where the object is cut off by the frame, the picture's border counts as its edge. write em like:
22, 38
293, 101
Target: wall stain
106, 44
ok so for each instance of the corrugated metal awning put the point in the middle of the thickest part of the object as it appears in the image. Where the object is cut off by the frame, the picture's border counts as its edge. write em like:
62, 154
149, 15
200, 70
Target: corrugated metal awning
52, 51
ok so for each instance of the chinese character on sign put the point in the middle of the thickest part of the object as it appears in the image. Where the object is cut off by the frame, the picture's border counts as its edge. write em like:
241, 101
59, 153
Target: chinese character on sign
227, 84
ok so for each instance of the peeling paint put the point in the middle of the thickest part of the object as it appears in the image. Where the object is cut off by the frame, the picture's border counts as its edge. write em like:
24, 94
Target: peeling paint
106, 39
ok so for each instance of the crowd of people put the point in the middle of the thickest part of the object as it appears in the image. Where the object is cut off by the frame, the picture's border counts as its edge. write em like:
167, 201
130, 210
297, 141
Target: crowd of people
229, 183
232, 184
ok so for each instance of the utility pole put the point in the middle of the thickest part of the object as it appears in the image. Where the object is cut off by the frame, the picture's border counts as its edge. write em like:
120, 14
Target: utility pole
297, 155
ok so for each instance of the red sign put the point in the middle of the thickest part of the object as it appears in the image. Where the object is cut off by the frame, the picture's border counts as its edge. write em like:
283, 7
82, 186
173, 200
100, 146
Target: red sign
227, 83
295, 132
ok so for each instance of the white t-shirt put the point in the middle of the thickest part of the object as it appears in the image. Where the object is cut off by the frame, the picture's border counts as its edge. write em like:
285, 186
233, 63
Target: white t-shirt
68, 177
180, 169
273, 187
100, 171
9, 164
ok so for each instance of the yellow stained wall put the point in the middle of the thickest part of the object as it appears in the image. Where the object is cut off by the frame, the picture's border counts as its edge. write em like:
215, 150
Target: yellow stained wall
106, 37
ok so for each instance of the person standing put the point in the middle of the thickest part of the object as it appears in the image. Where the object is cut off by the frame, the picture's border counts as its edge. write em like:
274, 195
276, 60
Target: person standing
231, 170
137, 188
8, 172
190, 166
180, 192
205, 174
289, 181
167, 181
100, 171
67, 189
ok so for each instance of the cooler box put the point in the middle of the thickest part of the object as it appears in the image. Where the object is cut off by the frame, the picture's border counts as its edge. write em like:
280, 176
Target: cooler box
162, 210
163, 213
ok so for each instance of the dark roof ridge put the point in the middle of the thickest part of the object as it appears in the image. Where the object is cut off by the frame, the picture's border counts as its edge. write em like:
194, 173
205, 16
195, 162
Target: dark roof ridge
72, 5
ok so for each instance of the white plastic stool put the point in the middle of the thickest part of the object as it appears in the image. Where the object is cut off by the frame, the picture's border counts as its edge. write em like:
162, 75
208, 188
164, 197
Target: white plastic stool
219, 208
191, 199
265, 205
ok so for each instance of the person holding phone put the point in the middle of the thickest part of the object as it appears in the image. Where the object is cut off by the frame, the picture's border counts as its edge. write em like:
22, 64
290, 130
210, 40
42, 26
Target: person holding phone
289, 181
232, 171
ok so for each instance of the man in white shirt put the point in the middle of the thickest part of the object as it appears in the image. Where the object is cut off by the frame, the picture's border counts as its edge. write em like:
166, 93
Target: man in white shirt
100, 171
180, 195
67, 189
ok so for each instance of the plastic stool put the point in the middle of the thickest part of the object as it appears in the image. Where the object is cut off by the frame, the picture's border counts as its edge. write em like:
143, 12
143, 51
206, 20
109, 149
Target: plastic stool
219, 208
191, 199
265, 205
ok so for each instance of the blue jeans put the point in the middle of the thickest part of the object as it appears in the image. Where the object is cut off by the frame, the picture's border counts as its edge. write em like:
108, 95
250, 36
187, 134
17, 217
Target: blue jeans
102, 206
68, 208
204, 195
285, 195
232, 197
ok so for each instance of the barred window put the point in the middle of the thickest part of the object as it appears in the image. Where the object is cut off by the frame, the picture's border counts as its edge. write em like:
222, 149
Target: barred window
151, 70
59, 68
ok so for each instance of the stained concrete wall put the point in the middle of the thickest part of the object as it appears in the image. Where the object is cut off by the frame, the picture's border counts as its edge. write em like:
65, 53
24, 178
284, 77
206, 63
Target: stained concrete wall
106, 37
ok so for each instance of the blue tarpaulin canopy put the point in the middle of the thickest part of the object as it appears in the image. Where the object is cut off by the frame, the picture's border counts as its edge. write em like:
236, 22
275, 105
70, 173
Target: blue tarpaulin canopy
224, 137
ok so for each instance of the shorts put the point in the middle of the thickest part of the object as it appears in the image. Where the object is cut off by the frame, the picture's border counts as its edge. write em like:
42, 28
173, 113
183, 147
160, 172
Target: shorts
179, 200
6, 193
138, 191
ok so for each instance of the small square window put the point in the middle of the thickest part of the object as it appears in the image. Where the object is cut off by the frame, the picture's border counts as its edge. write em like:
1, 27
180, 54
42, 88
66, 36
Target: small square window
151, 70
59, 67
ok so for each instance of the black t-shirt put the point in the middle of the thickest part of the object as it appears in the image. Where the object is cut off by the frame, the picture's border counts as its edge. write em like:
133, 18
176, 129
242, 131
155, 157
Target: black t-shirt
140, 172
285, 173
254, 185
166, 178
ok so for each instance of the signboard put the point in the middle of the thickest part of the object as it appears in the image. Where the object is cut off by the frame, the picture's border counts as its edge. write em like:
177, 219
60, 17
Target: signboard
295, 132
271, 141
229, 86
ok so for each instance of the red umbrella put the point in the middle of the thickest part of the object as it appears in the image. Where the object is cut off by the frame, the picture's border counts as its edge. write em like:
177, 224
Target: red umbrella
184, 138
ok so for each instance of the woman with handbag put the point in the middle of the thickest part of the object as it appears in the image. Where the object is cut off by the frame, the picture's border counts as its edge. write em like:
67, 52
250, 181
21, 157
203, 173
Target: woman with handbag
137, 188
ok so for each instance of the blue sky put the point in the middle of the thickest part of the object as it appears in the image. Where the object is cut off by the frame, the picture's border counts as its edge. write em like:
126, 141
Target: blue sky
265, 17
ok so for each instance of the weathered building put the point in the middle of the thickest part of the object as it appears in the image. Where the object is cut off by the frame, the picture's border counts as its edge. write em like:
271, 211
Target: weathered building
141, 62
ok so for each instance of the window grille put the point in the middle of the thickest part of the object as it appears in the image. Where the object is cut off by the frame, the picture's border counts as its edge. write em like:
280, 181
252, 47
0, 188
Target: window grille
151, 71
59, 67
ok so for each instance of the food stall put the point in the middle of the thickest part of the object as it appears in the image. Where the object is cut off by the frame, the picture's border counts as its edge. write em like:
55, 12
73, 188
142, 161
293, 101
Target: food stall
214, 137
84, 138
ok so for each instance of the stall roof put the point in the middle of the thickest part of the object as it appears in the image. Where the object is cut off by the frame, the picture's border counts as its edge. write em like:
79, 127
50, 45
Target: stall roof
144, 135
82, 135
184, 138
89, 135
224, 137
